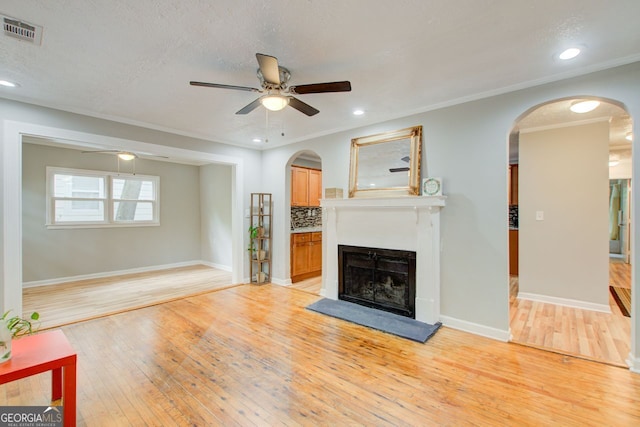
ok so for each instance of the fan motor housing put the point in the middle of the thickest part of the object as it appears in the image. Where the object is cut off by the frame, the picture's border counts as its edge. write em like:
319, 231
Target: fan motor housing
285, 75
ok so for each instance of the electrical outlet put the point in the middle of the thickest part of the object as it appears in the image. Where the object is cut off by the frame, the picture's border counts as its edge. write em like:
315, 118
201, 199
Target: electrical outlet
539, 215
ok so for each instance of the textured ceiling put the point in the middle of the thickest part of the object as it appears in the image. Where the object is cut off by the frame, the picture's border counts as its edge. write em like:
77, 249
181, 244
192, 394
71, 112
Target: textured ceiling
132, 61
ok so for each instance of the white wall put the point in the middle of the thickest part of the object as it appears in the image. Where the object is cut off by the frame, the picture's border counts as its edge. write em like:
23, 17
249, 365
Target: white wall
17, 118
466, 145
60, 253
563, 174
215, 215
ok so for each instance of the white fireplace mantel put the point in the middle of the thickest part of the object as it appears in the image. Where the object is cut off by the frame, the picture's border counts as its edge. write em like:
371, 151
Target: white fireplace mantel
404, 223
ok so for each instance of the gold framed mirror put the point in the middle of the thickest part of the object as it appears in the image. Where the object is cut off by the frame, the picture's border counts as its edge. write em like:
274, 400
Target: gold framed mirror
387, 164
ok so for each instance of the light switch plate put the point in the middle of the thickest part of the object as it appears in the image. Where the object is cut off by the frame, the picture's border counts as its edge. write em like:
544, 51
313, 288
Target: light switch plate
539, 215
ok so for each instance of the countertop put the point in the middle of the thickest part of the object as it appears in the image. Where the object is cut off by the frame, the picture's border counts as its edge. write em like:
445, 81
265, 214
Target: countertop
306, 230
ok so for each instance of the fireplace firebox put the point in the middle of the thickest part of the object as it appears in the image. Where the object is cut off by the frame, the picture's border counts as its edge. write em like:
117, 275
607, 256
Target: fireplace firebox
384, 279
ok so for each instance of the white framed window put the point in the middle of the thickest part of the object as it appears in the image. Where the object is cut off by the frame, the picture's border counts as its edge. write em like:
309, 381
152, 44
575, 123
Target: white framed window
87, 199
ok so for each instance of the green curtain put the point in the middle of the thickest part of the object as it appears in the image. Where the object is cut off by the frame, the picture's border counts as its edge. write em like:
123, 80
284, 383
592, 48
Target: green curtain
614, 207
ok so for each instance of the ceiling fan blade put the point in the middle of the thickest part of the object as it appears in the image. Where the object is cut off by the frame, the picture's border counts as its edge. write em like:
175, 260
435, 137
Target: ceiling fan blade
245, 88
102, 151
302, 107
399, 169
344, 86
249, 108
269, 68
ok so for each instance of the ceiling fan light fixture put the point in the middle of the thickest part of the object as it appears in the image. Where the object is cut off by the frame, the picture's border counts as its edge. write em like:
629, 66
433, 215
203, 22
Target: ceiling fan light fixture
126, 156
582, 107
274, 102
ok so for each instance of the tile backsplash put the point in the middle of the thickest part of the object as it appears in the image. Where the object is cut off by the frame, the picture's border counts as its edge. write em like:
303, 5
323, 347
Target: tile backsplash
513, 216
302, 217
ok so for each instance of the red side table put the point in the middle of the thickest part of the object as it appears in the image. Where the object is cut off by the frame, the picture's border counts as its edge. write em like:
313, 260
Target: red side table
47, 351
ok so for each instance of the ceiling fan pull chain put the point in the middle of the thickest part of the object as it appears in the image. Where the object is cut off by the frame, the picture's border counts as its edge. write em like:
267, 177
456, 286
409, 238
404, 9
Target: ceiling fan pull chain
266, 131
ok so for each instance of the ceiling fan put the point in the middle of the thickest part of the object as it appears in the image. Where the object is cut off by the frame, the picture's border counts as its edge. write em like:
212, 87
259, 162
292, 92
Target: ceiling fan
275, 93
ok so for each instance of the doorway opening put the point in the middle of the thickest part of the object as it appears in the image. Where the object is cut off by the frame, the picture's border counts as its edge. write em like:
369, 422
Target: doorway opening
569, 197
305, 192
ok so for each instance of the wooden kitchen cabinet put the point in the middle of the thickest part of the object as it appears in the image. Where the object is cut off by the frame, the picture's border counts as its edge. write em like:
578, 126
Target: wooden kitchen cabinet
315, 252
306, 186
299, 186
513, 184
513, 252
315, 187
306, 255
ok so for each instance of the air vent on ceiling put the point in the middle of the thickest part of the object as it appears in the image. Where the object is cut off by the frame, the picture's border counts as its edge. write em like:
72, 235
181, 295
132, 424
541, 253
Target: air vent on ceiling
21, 30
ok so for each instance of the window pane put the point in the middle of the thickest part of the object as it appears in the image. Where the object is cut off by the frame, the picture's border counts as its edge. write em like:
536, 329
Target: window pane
79, 211
78, 186
133, 211
133, 189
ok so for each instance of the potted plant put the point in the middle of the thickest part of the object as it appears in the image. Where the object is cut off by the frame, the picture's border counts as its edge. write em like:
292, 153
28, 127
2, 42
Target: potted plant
15, 327
255, 232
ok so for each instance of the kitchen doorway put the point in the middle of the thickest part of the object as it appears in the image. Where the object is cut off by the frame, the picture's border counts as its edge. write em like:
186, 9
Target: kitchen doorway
559, 314
305, 240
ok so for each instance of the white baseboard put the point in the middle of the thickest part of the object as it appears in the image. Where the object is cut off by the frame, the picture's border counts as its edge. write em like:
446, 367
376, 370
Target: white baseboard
584, 305
102, 275
281, 282
474, 328
216, 266
634, 364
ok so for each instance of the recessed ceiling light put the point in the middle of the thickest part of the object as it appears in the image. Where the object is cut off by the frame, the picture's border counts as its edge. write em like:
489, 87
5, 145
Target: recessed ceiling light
257, 140
7, 83
358, 112
629, 137
570, 53
614, 159
584, 106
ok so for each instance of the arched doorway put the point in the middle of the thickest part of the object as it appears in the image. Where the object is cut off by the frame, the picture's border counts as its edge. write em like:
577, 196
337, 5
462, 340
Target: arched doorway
305, 240
562, 220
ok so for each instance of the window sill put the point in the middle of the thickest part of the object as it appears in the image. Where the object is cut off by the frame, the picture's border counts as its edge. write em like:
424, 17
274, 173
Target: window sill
123, 225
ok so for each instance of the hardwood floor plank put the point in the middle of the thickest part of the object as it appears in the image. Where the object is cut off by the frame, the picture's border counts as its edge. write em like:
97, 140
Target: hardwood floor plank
88, 299
595, 335
253, 355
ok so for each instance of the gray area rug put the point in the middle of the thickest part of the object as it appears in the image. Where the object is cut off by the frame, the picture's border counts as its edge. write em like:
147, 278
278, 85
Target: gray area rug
381, 320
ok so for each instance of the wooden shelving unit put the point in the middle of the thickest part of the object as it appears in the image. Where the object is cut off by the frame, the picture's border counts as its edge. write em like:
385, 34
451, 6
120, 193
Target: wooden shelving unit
261, 252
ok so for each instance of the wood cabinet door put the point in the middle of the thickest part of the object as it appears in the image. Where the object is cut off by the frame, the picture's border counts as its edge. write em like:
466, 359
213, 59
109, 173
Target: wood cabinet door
299, 258
315, 187
513, 252
299, 186
513, 184
315, 256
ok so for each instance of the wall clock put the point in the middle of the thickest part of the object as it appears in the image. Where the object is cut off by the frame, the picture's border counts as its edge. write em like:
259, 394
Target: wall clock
432, 187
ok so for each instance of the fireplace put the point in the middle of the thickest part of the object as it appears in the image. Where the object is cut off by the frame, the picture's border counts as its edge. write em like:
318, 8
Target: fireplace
398, 223
384, 279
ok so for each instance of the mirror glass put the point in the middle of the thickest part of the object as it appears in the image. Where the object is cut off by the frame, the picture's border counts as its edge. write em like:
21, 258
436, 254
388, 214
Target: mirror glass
386, 164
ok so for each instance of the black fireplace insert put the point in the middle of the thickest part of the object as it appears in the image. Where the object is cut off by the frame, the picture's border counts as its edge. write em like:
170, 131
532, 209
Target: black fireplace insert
384, 279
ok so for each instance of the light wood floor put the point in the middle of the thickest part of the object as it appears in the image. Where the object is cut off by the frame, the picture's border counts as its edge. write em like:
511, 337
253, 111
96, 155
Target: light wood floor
312, 285
597, 336
590, 334
253, 355
87, 299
